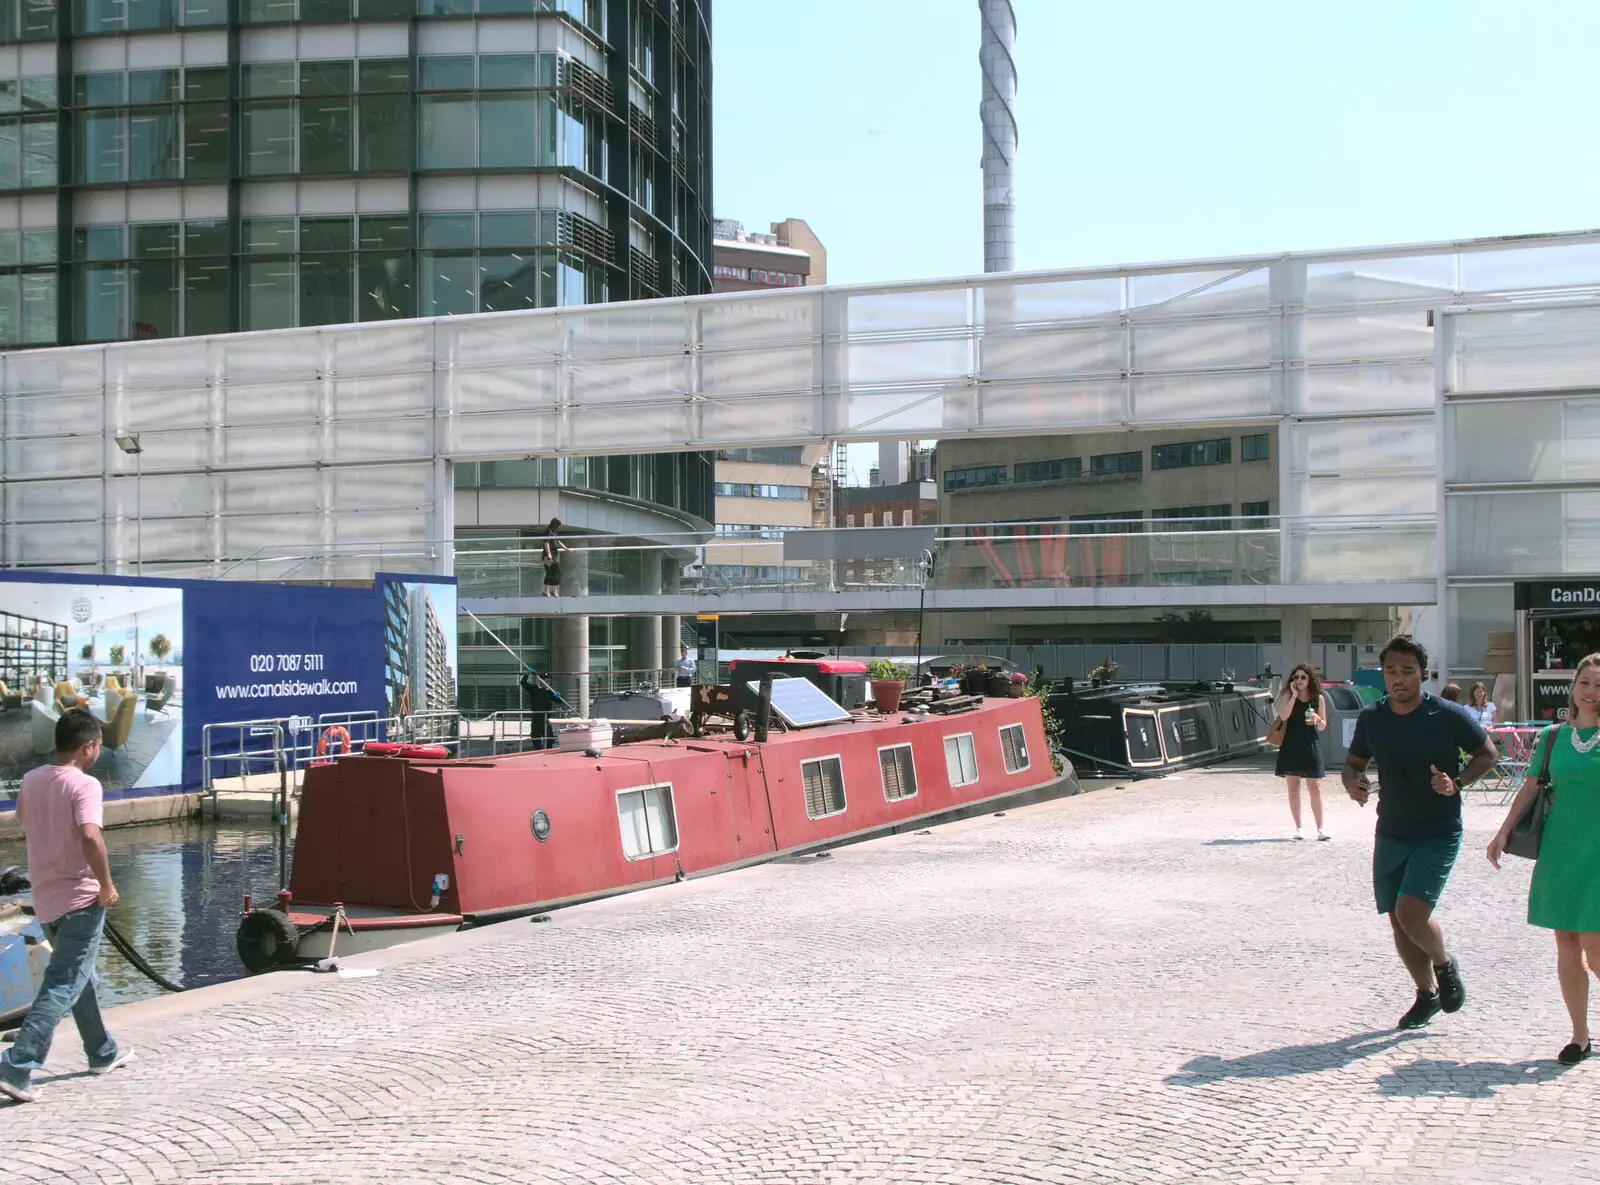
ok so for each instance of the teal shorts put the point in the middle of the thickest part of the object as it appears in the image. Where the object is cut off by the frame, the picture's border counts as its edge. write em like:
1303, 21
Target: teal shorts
1414, 869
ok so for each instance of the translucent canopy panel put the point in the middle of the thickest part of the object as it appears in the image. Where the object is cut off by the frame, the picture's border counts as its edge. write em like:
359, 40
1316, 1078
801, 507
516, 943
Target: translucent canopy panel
257, 441
1523, 440
1475, 610
1526, 349
1524, 533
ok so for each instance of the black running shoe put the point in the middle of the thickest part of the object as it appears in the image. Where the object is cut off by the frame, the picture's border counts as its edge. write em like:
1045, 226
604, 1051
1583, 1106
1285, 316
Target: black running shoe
1424, 1010
1452, 992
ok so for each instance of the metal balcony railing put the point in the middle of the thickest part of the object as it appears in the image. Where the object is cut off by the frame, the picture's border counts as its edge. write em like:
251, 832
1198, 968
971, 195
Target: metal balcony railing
1111, 553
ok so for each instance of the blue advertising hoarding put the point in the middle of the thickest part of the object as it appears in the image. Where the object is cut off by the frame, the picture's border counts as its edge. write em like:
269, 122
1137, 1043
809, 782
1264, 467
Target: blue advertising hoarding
156, 661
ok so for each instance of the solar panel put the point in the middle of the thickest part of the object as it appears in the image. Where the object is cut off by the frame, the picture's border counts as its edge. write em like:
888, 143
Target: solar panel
800, 703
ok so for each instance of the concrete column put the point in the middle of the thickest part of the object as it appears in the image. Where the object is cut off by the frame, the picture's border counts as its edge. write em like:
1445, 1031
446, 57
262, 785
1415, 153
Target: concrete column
671, 623
571, 646
644, 633
570, 633
1295, 633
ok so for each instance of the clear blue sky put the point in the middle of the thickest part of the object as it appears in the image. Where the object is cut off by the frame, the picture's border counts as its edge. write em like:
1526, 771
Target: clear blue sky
1156, 129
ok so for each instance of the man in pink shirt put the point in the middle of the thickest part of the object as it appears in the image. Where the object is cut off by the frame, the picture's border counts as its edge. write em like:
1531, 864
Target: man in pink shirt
59, 807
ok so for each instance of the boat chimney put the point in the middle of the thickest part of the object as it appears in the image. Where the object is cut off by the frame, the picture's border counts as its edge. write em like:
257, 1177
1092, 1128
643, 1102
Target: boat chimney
764, 708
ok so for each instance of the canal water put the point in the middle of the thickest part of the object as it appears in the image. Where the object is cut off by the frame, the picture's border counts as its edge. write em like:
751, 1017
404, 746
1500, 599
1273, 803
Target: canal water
182, 885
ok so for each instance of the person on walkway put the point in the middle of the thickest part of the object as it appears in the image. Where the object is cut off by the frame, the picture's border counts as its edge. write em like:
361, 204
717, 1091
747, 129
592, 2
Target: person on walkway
1417, 740
1565, 896
1480, 705
685, 668
1451, 692
551, 553
59, 807
1304, 714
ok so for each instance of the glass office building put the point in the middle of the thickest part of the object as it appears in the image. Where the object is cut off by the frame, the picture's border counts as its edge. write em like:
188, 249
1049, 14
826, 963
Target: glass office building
189, 167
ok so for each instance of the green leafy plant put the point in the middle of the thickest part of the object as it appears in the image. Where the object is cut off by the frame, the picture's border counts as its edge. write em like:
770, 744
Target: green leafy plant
87, 653
1106, 671
886, 670
160, 647
119, 652
1039, 689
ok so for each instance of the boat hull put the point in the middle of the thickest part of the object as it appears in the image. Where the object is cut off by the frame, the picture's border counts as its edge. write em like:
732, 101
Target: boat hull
494, 838
24, 954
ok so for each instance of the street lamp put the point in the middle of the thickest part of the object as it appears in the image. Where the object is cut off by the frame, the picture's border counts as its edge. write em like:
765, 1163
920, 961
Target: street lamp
130, 445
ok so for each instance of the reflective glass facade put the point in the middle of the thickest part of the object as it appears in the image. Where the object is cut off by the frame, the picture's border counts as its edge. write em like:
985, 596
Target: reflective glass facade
313, 162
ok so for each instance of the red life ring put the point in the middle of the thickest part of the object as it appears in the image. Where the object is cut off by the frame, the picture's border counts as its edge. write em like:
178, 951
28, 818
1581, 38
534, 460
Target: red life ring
325, 742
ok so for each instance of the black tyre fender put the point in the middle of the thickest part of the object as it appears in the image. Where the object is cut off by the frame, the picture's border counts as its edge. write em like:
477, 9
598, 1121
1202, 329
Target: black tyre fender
267, 939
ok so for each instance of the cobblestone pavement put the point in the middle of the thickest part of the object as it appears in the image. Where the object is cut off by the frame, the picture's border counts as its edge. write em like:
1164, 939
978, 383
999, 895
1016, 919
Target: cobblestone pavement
1144, 983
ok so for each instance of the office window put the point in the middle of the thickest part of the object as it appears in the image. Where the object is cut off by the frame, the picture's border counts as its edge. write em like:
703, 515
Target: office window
1107, 522
899, 772
1255, 512
976, 477
1196, 518
1108, 463
1253, 448
646, 819
906, 519
744, 489
1059, 470
823, 781
960, 760
867, 518
849, 520
1014, 748
1191, 453
783, 454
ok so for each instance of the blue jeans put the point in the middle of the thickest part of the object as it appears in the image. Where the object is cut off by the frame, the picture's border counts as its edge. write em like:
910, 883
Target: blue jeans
68, 985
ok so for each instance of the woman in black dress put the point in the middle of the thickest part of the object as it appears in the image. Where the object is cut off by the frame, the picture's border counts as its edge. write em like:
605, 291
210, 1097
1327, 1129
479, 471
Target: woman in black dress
1304, 714
551, 554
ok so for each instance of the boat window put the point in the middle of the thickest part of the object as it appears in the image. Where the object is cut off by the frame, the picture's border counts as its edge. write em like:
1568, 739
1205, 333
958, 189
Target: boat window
824, 784
648, 825
1014, 747
899, 772
960, 760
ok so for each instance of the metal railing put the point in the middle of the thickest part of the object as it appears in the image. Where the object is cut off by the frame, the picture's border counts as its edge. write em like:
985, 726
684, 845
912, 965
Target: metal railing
1106, 553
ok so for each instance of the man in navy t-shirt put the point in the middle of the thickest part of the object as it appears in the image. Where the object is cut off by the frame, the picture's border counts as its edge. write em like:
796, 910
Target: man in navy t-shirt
1417, 740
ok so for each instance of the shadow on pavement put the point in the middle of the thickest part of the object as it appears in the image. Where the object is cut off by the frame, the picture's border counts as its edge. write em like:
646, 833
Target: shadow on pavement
1234, 843
1288, 1060
1428, 1078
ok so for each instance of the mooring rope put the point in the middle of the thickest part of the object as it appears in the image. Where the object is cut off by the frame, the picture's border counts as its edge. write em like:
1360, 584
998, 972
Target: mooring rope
139, 962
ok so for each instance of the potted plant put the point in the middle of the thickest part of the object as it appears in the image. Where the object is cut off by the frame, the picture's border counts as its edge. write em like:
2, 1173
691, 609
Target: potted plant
975, 679
888, 681
1017, 685
118, 653
998, 684
1104, 673
160, 647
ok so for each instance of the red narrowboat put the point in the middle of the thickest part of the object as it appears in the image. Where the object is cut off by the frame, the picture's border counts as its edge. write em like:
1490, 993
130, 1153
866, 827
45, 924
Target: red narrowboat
404, 847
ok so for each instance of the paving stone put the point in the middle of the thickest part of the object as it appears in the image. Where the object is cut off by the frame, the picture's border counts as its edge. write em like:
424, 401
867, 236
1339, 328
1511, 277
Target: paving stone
1141, 984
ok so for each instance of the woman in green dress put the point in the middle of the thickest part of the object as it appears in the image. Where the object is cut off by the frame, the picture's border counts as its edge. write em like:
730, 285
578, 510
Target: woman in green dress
1566, 879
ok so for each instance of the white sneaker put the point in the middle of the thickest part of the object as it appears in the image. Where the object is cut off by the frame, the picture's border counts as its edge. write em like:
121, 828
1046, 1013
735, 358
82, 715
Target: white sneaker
1299, 832
124, 1056
1321, 834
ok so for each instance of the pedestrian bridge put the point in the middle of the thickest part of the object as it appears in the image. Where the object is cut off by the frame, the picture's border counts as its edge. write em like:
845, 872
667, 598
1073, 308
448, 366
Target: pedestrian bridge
324, 439
1270, 561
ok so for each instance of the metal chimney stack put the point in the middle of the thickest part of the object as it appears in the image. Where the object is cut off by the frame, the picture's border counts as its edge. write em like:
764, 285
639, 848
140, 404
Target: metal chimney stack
998, 110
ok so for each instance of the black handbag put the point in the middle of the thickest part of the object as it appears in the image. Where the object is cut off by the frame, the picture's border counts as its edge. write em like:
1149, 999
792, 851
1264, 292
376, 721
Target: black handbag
1529, 827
